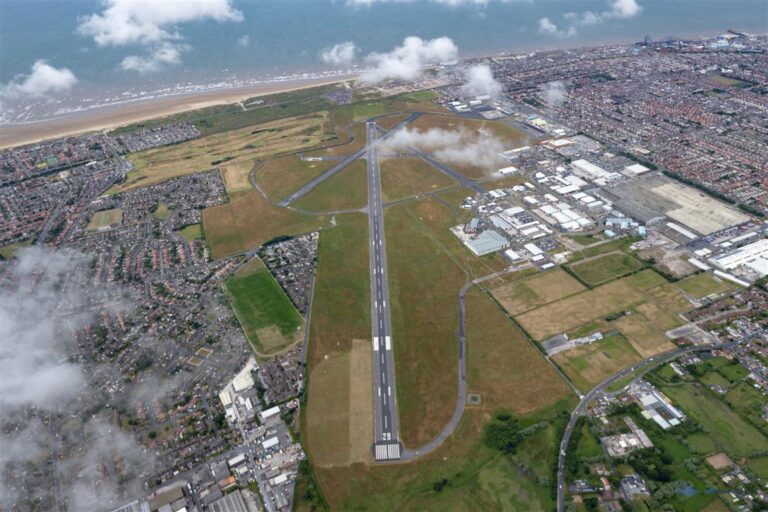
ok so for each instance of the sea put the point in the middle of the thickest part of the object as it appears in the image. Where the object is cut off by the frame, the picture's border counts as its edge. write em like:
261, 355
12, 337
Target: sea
282, 40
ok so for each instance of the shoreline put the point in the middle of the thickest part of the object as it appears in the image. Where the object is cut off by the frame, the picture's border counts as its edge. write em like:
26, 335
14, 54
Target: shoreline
111, 117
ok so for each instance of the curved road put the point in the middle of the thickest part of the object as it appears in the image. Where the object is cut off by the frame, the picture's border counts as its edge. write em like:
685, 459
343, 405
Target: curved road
462, 393
647, 365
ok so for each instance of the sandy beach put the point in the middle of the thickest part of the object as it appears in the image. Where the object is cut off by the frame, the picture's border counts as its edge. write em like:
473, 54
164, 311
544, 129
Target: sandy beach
112, 117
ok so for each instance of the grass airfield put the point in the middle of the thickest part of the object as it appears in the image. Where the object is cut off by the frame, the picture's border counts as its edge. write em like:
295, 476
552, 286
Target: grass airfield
263, 163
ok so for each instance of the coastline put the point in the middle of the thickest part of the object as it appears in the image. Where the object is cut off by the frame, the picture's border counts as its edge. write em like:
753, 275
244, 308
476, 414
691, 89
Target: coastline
111, 117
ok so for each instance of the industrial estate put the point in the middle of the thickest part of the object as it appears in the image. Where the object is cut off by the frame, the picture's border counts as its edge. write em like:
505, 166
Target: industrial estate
410, 296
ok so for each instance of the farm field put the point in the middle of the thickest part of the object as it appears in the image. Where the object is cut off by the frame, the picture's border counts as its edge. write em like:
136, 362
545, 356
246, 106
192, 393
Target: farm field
279, 177
404, 177
265, 312
589, 365
604, 268
424, 289
525, 294
339, 343
644, 337
105, 218
346, 190
236, 147
702, 285
575, 310
640, 292
232, 228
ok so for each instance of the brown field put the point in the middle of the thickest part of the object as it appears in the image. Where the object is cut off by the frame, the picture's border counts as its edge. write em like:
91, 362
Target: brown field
404, 177
659, 316
241, 146
248, 221
571, 312
523, 295
327, 420
235, 177
424, 290
646, 339
346, 190
360, 401
340, 319
504, 368
280, 176
390, 122
670, 298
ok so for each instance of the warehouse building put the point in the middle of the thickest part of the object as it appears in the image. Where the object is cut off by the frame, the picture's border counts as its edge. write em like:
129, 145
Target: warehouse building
753, 257
487, 242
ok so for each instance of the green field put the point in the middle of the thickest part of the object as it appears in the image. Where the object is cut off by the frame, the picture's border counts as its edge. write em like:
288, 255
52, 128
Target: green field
364, 111
404, 177
249, 220
604, 268
279, 177
191, 232
702, 285
269, 319
726, 427
346, 190
105, 218
424, 289
8, 252
161, 211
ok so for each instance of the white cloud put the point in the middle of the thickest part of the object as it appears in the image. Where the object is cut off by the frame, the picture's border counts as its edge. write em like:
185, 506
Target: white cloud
480, 81
461, 147
164, 54
450, 3
554, 94
341, 54
42, 80
546, 26
626, 8
148, 21
244, 41
618, 9
407, 62
153, 24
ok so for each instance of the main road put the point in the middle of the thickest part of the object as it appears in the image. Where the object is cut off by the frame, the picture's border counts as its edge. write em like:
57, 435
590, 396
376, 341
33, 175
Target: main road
386, 427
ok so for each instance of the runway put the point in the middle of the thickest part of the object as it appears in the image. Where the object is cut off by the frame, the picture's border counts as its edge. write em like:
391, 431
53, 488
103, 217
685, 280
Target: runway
386, 427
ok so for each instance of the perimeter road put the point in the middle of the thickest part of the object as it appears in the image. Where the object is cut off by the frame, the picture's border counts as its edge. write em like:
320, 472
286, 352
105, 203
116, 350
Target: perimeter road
386, 428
